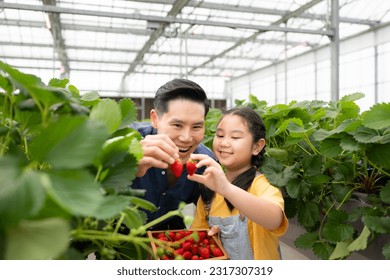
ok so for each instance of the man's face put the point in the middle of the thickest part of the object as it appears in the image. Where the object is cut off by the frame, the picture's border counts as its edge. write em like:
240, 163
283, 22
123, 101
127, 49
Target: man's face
183, 123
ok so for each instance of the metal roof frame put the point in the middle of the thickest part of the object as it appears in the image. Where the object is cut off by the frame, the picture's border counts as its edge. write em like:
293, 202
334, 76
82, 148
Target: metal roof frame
174, 16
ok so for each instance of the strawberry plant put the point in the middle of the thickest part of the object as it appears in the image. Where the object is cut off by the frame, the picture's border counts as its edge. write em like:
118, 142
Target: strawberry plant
325, 156
66, 163
185, 245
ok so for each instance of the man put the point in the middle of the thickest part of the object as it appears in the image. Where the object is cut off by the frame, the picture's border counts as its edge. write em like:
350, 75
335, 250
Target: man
175, 132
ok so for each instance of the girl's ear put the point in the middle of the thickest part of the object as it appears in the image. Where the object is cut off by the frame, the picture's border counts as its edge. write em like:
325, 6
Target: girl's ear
258, 146
154, 118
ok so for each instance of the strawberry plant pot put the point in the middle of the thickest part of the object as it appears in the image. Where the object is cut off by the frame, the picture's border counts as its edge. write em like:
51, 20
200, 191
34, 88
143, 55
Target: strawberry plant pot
193, 244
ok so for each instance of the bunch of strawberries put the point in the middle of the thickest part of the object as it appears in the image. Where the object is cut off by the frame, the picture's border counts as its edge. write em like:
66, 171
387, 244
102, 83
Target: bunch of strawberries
186, 245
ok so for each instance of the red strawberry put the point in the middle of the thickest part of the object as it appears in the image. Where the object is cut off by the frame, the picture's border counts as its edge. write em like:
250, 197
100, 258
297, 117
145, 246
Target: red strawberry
187, 255
179, 251
177, 168
163, 238
206, 242
171, 235
204, 253
186, 246
195, 249
202, 235
216, 252
191, 166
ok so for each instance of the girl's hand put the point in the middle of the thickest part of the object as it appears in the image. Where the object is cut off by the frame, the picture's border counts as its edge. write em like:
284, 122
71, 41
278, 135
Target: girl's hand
213, 177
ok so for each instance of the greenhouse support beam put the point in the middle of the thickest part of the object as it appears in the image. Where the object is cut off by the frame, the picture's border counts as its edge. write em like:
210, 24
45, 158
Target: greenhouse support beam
334, 52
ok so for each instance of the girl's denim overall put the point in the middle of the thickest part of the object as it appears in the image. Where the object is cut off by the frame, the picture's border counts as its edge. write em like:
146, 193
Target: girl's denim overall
234, 236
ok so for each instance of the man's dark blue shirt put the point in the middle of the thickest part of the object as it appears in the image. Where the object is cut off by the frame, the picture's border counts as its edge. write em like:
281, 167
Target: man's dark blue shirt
163, 196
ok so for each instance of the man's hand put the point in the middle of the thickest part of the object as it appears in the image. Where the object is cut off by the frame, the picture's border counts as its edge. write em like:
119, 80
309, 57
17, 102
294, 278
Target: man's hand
158, 151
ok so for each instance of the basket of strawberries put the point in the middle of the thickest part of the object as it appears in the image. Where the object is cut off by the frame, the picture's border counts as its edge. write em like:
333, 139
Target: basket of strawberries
186, 245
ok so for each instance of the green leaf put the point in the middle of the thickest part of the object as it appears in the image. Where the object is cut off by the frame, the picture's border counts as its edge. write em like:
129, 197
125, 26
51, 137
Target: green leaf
343, 171
297, 187
273, 170
21, 195
344, 249
74, 91
360, 243
19, 79
378, 116
279, 154
254, 100
346, 110
6, 84
118, 177
142, 203
312, 165
71, 142
340, 191
108, 112
306, 240
61, 83
296, 124
133, 219
367, 135
37, 240
78, 193
296, 131
22, 199
385, 193
349, 144
117, 148
90, 98
349, 125
352, 97
321, 134
336, 229
323, 250
377, 224
129, 112
317, 180
379, 155
341, 251
308, 213
330, 148
301, 113
135, 147
110, 206
75, 190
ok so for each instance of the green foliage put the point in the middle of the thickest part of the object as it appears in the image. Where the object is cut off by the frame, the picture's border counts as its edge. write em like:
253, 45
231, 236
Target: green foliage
322, 154
66, 164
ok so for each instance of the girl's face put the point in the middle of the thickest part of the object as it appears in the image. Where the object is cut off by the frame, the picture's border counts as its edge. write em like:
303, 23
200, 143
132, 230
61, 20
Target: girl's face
183, 123
233, 144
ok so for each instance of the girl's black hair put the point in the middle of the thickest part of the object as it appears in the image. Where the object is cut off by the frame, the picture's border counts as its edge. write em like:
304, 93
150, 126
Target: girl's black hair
256, 126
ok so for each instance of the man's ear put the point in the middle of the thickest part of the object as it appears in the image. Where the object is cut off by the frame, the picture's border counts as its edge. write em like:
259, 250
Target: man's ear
154, 118
258, 146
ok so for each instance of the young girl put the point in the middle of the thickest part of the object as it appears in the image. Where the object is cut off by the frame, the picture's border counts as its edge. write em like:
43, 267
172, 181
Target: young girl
246, 208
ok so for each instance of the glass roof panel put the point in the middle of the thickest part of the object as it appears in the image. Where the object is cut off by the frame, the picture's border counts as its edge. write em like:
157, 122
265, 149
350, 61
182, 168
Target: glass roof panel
147, 42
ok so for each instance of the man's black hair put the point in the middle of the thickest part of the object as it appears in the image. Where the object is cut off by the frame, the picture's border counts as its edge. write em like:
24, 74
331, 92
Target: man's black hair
179, 89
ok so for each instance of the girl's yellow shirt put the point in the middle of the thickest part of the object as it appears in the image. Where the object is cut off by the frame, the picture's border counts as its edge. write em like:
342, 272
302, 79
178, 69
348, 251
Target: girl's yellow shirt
264, 242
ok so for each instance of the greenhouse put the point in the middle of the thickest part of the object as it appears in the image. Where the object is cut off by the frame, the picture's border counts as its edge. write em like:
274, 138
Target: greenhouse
79, 78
